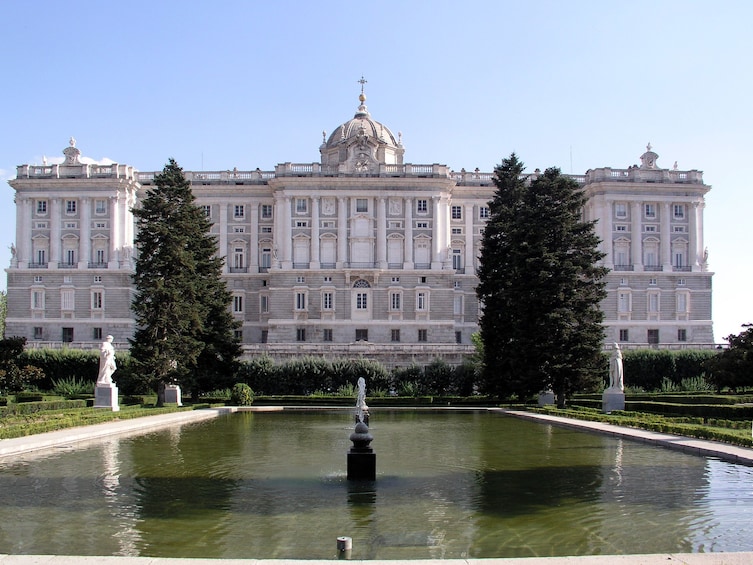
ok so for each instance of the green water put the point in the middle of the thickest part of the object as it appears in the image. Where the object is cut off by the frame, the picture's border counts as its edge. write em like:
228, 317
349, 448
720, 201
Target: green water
449, 485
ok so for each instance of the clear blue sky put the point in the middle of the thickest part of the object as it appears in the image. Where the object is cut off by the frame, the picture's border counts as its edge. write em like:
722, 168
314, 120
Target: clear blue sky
223, 84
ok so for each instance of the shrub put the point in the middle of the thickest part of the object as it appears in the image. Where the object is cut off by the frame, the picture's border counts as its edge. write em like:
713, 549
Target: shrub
72, 387
29, 397
242, 395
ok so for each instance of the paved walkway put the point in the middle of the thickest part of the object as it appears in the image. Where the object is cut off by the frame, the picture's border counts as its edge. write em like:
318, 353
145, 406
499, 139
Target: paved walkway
40, 442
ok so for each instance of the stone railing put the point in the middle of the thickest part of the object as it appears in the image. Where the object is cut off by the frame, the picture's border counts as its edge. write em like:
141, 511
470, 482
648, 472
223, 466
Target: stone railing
62, 171
636, 174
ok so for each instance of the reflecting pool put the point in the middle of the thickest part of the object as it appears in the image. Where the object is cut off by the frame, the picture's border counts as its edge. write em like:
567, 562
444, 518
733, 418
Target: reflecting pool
471, 484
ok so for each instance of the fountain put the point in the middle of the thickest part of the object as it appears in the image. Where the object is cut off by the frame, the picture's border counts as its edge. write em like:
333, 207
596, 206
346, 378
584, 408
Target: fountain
361, 457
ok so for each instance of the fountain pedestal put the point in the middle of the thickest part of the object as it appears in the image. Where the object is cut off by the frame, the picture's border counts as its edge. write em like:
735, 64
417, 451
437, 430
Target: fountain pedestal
361, 457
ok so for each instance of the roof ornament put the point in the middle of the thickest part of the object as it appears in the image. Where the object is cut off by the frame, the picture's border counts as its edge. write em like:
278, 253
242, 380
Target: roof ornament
72, 141
362, 110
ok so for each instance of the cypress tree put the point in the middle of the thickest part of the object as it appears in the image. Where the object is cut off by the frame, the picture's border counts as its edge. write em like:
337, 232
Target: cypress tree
185, 332
540, 287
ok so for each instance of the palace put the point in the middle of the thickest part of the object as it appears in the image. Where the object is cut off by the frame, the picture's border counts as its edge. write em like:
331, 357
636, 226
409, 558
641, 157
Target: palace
360, 254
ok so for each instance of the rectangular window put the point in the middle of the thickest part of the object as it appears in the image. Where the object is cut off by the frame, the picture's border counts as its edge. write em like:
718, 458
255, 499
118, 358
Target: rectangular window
70, 257
395, 336
457, 305
238, 335
362, 301
327, 279
99, 256
652, 281
457, 231
100, 207
301, 205
327, 334
70, 206
266, 211
395, 279
264, 336
362, 205
679, 211
300, 300
682, 302
238, 304
97, 278
41, 256
652, 336
422, 225
423, 335
621, 227
457, 212
38, 332
653, 302
41, 207
620, 210
624, 334
458, 337
422, 206
239, 211
97, 333
483, 212
362, 335
421, 301
207, 210
264, 304
650, 210
457, 259
300, 279
67, 335
239, 258
327, 301
97, 300
239, 229
300, 334
682, 334
623, 302
395, 300
301, 224
266, 258
266, 229
67, 299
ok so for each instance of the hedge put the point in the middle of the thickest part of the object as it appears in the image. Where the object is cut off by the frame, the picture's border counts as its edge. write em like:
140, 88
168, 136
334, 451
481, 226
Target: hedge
34, 407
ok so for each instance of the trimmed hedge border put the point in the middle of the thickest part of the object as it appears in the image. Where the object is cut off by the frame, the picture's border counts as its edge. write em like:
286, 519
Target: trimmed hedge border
18, 409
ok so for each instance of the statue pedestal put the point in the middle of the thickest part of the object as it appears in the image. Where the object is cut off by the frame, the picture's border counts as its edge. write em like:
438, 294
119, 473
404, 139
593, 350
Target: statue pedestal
106, 396
173, 395
546, 398
612, 399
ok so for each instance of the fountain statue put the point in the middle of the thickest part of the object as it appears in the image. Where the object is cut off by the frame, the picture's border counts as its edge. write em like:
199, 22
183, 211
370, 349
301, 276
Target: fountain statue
361, 457
614, 396
106, 392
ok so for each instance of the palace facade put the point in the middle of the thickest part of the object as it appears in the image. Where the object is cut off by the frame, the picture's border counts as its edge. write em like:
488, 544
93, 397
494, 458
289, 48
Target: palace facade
360, 254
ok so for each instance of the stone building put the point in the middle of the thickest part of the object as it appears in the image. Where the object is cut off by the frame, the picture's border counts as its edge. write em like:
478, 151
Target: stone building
360, 254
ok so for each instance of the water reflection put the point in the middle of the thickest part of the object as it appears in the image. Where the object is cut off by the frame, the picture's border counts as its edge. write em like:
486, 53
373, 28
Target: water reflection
459, 485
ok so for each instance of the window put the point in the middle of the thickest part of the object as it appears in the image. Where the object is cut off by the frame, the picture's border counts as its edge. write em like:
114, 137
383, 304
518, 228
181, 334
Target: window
422, 206
100, 207
483, 212
423, 280
327, 334
99, 257
395, 336
678, 229
395, 279
300, 300
649, 210
328, 301
457, 259
620, 210
327, 279
624, 334
266, 211
97, 300
239, 211
300, 334
457, 231
680, 282
207, 209
67, 335
679, 259
100, 225
458, 337
678, 212
362, 301
623, 302
457, 212
682, 334
395, 300
652, 281
41, 207
70, 256
457, 305
41, 256
67, 299
362, 205
264, 336
621, 227
266, 229
70, 206
422, 225
238, 304
301, 205
266, 258
682, 302
362, 335
37, 279
238, 334
649, 228
652, 336
239, 229
421, 300
300, 279
97, 278
38, 332
264, 304
423, 335
653, 302
239, 258
301, 224
97, 333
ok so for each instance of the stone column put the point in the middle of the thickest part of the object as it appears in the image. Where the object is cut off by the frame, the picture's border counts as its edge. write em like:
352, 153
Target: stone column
222, 251
23, 232
381, 232
85, 234
468, 261
342, 232
287, 234
315, 262
114, 261
636, 238
666, 237
55, 233
253, 251
693, 235
606, 229
437, 249
408, 249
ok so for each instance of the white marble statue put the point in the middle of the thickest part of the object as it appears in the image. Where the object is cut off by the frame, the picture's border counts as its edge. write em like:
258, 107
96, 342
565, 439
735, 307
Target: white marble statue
106, 362
362, 411
615, 369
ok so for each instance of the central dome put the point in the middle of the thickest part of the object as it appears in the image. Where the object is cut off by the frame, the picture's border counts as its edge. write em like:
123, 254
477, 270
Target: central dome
361, 144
